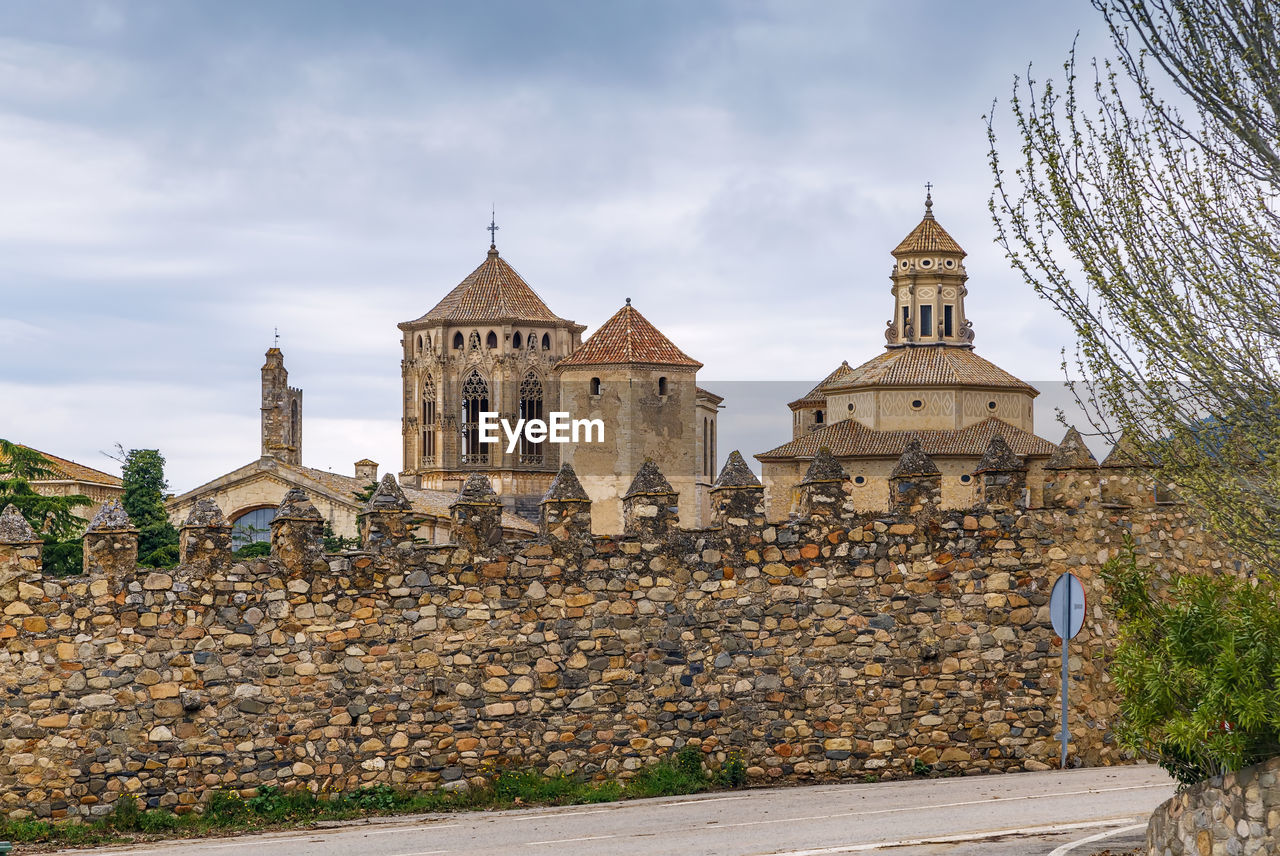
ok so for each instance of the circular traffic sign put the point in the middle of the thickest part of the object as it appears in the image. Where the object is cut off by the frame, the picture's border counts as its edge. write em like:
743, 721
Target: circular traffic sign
1067, 606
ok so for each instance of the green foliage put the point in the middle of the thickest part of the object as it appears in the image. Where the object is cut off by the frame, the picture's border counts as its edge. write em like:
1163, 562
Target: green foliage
337, 543
125, 814
253, 550
1198, 669
681, 773
52, 517
920, 768
733, 774
144, 492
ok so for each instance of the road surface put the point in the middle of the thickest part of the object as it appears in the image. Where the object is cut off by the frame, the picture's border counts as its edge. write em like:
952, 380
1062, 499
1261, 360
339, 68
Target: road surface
1027, 814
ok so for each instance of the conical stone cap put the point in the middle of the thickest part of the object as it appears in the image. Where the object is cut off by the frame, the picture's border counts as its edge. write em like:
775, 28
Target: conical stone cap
297, 506
1072, 454
14, 528
565, 487
736, 473
476, 490
206, 514
999, 458
1126, 454
110, 516
824, 468
649, 480
388, 497
914, 462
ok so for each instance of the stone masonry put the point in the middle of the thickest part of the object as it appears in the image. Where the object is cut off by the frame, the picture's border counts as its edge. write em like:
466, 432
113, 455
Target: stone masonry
831, 646
1237, 814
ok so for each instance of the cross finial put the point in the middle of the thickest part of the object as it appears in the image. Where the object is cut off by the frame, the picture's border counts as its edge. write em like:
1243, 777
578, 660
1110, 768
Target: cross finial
928, 196
277, 332
493, 229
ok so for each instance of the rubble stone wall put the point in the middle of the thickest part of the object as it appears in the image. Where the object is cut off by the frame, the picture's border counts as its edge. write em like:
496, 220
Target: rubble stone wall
1238, 813
838, 645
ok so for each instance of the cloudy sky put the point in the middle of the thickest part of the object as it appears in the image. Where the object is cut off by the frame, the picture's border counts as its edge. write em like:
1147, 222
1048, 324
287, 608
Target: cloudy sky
177, 179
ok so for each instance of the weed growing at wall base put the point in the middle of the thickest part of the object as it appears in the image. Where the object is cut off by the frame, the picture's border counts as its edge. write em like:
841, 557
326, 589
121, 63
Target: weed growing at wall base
271, 807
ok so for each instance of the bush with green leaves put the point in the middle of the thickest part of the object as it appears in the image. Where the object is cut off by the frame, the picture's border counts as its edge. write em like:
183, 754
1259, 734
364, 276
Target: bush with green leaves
52, 517
1198, 669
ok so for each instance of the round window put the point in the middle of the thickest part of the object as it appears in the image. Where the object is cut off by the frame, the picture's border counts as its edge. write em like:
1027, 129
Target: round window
950, 263
850, 406
917, 404
991, 405
925, 263
965, 479
859, 480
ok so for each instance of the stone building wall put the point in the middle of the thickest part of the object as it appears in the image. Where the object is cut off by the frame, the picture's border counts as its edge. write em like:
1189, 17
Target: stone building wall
1236, 814
835, 645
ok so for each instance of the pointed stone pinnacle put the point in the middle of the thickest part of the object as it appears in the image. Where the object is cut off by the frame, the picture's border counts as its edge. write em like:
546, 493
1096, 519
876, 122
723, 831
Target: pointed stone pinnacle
914, 462
388, 496
999, 458
565, 487
649, 480
1072, 454
736, 473
824, 468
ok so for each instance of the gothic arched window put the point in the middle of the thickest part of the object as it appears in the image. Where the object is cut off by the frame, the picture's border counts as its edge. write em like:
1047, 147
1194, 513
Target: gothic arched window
595, 386
475, 400
533, 340
428, 448
516, 341
474, 342
457, 341
530, 408
546, 342
491, 341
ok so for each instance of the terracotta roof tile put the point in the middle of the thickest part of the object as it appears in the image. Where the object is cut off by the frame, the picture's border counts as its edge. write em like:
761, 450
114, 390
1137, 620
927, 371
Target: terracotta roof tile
817, 395
928, 237
628, 337
933, 365
492, 292
851, 439
70, 470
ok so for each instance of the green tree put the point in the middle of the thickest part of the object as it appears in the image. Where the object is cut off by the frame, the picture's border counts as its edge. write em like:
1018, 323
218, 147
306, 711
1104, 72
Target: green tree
1151, 227
1196, 667
144, 494
53, 517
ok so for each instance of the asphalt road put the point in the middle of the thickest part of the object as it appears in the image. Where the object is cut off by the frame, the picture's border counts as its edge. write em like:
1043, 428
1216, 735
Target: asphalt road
1027, 814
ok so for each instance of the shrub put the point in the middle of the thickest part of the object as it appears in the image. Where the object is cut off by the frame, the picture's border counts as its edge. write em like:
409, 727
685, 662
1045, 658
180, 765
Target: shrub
125, 815
253, 550
1198, 669
733, 773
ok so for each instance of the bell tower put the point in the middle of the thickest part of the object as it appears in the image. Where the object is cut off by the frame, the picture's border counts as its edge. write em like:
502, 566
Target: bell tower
929, 288
281, 412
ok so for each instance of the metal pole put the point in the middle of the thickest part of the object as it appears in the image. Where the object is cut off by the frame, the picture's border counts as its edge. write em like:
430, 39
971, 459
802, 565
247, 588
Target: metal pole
1064, 737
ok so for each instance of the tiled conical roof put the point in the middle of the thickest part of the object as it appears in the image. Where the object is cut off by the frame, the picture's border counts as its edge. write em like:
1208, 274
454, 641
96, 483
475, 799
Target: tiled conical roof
493, 292
628, 337
928, 237
928, 366
818, 394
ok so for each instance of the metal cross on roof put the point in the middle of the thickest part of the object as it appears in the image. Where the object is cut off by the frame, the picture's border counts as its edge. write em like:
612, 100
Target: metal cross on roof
493, 228
928, 194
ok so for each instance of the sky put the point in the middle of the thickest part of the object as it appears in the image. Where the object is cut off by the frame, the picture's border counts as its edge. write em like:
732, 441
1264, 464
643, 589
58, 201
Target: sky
180, 179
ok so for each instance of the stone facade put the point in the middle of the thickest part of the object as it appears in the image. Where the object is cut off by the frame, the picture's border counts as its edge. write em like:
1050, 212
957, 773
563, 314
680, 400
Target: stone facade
1237, 814
836, 645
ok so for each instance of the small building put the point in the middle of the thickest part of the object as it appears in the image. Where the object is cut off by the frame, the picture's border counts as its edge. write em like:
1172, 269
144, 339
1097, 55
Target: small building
70, 478
249, 495
929, 383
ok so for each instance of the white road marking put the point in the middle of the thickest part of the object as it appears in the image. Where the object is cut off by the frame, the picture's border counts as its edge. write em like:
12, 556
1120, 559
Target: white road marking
933, 806
567, 840
949, 839
1072, 845
699, 802
422, 853
403, 829
547, 814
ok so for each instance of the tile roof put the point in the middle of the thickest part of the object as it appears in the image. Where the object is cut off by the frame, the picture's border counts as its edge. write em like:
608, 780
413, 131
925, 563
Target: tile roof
928, 237
71, 471
628, 337
433, 502
492, 292
929, 365
817, 396
851, 439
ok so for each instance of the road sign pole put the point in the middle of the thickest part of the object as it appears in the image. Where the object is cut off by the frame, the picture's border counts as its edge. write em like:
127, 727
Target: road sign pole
1066, 675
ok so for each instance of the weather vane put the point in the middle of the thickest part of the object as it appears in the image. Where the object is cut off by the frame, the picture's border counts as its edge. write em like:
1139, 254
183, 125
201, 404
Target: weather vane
493, 228
277, 332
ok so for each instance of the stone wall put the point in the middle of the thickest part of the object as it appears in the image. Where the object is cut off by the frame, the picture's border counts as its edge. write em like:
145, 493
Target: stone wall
835, 645
1233, 815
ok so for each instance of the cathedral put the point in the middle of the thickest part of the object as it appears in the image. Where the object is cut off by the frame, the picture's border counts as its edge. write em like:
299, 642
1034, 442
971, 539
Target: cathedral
491, 345
929, 384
